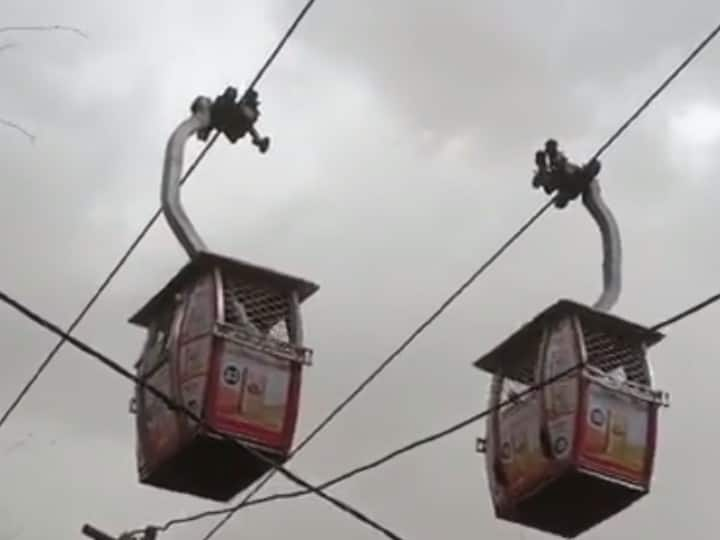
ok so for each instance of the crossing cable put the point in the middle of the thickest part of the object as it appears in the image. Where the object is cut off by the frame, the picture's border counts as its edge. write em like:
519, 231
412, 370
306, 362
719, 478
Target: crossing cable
419, 442
615, 136
601, 150
121, 262
177, 407
378, 370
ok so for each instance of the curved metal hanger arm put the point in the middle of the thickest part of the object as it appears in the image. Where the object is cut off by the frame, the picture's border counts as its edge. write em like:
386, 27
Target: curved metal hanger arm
171, 205
232, 118
612, 247
556, 173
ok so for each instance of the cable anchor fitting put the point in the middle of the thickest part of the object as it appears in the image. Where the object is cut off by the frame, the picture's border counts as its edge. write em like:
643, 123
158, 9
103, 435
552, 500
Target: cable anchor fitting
555, 173
234, 118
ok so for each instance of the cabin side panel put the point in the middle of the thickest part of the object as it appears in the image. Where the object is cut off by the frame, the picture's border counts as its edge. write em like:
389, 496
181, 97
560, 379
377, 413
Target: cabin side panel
159, 432
520, 465
292, 409
493, 467
195, 347
193, 369
616, 434
562, 351
157, 424
252, 395
201, 311
160, 429
523, 462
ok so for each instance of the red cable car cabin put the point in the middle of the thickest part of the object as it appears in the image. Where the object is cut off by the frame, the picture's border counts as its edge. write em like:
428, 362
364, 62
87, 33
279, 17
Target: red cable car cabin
571, 455
224, 339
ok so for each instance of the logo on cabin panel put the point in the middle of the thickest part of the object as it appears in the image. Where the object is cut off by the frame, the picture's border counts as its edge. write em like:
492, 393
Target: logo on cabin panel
597, 417
231, 374
561, 444
505, 451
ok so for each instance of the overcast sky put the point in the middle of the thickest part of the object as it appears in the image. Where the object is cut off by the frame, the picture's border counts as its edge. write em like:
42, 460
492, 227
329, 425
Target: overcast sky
403, 135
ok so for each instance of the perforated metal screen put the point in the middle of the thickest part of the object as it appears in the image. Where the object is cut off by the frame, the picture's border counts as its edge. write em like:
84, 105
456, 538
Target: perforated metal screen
611, 354
255, 304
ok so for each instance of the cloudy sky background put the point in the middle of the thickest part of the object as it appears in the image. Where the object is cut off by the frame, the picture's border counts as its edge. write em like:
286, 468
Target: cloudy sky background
403, 140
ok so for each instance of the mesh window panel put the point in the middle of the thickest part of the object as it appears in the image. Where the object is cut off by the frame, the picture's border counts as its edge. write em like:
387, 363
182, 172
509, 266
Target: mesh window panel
266, 309
609, 354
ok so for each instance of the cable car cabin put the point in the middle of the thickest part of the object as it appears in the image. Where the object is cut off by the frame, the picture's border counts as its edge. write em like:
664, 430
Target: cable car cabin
581, 449
224, 338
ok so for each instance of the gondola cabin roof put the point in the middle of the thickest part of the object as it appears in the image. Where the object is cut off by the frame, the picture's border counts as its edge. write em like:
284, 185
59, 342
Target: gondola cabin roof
517, 344
206, 261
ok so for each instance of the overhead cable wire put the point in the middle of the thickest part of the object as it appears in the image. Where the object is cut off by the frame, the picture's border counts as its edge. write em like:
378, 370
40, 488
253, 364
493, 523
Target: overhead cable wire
121, 262
45, 28
385, 363
686, 313
96, 295
613, 138
659, 90
419, 442
177, 407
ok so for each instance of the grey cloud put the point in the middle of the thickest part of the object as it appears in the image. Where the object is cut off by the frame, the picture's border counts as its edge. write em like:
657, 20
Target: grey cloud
403, 136
511, 75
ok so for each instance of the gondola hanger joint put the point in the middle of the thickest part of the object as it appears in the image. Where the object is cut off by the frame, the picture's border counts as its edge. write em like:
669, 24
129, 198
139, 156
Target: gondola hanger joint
232, 117
556, 173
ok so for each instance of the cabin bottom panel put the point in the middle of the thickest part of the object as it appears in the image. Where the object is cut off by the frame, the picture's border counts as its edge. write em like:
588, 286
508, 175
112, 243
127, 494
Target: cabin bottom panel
212, 468
571, 504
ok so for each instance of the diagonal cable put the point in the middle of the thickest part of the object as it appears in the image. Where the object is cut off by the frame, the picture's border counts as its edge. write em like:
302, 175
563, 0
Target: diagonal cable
404, 345
613, 138
422, 441
175, 406
106, 282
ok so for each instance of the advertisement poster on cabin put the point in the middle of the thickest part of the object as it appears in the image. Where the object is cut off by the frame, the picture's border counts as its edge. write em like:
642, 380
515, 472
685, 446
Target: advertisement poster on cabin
520, 451
616, 432
253, 388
